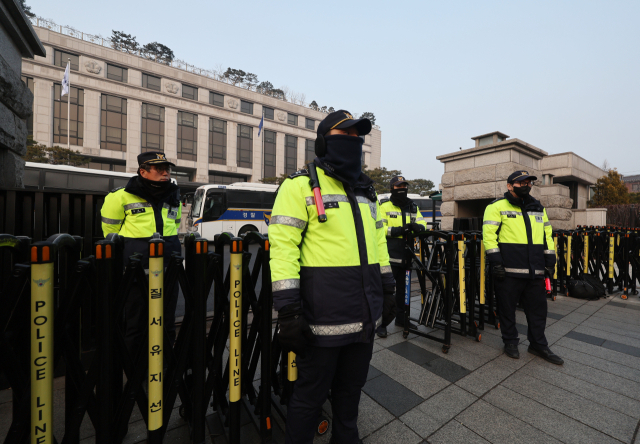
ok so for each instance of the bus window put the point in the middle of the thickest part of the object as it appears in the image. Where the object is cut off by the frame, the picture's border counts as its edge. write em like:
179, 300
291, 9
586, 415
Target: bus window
213, 207
197, 203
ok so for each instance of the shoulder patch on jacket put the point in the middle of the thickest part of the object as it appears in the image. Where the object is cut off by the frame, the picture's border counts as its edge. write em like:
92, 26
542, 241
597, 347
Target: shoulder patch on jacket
301, 172
384, 200
116, 189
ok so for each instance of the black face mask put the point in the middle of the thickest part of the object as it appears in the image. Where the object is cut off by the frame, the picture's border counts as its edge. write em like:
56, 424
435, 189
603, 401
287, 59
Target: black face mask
158, 189
344, 155
399, 197
522, 192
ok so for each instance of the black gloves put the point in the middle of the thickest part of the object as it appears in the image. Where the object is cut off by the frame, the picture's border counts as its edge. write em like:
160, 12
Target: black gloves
498, 272
417, 228
294, 333
388, 307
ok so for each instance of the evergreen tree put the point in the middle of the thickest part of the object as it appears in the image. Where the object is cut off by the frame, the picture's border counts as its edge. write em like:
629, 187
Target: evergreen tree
610, 190
124, 42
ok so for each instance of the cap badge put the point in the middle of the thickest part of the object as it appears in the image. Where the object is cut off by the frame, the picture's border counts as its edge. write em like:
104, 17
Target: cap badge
349, 115
400, 178
160, 157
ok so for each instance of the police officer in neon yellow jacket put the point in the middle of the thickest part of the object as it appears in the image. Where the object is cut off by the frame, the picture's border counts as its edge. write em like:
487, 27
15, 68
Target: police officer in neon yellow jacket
396, 229
148, 204
517, 238
332, 283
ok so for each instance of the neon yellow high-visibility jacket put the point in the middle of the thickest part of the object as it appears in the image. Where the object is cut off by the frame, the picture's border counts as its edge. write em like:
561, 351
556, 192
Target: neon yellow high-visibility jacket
518, 236
129, 211
392, 220
336, 269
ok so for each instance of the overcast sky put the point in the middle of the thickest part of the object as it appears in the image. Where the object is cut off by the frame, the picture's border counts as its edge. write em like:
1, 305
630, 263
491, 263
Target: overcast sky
560, 75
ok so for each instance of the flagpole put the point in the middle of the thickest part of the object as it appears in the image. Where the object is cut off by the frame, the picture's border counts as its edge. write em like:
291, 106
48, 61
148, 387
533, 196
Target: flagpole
69, 107
263, 142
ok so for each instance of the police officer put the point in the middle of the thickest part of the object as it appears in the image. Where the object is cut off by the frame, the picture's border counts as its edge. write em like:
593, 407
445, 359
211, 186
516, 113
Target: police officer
517, 238
148, 204
332, 283
396, 228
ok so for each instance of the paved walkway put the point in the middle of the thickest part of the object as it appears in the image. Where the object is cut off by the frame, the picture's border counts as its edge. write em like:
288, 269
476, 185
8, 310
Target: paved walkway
475, 394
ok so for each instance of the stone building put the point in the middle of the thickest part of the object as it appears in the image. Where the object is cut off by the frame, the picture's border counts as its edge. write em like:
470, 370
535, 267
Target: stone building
17, 41
476, 176
123, 104
632, 183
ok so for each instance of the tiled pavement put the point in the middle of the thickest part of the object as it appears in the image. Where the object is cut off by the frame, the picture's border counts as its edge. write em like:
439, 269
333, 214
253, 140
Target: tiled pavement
475, 394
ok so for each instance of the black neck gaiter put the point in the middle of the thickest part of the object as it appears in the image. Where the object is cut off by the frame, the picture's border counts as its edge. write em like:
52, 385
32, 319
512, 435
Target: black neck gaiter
159, 190
344, 155
399, 197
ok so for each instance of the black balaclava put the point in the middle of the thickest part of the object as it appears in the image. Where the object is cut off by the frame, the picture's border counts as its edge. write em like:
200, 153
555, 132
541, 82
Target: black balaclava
159, 189
399, 197
344, 155
522, 192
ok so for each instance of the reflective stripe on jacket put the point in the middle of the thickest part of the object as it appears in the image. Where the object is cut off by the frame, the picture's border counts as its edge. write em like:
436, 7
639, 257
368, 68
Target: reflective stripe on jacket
392, 218
518, 236
337, 268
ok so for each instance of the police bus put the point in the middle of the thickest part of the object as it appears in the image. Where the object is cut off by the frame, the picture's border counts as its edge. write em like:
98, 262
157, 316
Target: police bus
236, 208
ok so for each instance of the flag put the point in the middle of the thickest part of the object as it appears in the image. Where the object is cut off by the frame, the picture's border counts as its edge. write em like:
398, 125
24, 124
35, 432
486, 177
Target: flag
260, 126
65, 81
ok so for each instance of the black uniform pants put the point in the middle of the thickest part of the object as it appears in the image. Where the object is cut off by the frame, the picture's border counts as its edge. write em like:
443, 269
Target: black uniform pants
399, 274
343, 370
534, 301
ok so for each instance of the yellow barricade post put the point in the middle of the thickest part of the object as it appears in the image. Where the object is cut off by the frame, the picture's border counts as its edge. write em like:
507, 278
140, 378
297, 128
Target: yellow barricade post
292, 368
461, 276
611, 251
156, 339
568, 255
42, 343
555, 248
235, 340
586, 253
483, 261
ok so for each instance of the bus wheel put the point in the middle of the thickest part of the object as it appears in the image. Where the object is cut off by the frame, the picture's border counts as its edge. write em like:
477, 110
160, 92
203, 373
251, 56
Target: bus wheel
246, 229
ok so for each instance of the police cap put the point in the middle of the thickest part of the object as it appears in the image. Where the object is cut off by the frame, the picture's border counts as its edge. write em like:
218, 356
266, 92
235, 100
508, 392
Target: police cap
397, 180
153, 158
342, 119
519, 176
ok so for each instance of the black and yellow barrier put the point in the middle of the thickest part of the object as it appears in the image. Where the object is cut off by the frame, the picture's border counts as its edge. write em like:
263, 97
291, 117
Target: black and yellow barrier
156, 340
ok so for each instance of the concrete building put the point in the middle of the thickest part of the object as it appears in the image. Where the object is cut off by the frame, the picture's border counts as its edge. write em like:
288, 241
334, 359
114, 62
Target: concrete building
123, 104
17, 41
632, 183
476, 176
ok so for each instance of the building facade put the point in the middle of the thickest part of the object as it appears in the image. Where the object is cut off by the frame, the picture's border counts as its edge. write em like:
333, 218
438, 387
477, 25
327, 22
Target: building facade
632, 183
122, 104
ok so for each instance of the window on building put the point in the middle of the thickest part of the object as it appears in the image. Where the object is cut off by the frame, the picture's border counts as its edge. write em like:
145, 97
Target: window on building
189, 92
310, 124
187, 136
216, 99
182, 176
268, 113
151, 82
106, 166
28, 81
245, 146
292, 119
363, 158
635, 187
224, 179
290, 154
217, 141
76, 116
61, 58
152, 128
117, 73
246, 107
269, 154
113, 123
309, 150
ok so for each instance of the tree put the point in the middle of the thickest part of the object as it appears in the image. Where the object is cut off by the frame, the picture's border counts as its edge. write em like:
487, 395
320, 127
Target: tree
371, 117
250, 81
418, 185
331, 110
234, 76
314, 106
55, 155
265, 88
275, 180
610, 190
381, 177
26, 9
278, 94
124, 42
634, 198
158, 52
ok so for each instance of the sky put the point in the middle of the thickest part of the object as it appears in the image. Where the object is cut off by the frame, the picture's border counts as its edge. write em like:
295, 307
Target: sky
561, 75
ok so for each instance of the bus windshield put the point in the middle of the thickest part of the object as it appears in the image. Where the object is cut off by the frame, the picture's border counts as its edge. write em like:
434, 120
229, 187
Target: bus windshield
213, 206
197, 203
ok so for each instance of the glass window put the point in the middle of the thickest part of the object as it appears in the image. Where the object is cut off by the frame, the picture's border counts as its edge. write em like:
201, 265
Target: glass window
61, 58
152, 128
246, 107
292, 119
106, 166
268, 113
269, 154
113, 123
117, 73
76, 116
224, 179
189, 92
309, 150
28, 81
310, 124
217, 141
216, 99
245, 146
290, 155
187, 136
151, 82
